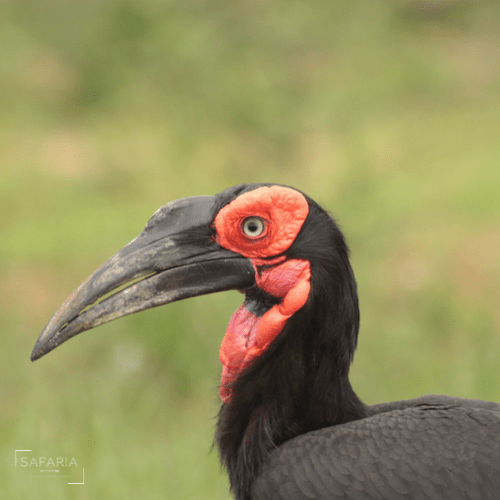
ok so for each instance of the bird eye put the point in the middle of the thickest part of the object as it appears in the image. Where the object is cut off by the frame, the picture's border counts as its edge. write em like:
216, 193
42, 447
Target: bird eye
253, 227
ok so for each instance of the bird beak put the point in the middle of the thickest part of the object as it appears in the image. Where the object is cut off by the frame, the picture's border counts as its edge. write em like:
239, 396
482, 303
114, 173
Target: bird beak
174, 258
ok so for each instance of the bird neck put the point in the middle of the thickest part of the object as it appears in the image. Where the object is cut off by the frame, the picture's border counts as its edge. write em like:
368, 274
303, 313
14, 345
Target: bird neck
299, 384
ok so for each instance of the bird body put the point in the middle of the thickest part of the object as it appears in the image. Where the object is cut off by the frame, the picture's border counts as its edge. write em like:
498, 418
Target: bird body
290, 425
431, 447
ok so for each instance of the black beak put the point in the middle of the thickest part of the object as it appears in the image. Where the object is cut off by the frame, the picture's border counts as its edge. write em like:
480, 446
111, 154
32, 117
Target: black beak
174, 258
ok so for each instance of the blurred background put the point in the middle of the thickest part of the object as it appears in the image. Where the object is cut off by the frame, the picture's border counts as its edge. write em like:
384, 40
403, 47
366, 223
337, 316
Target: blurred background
387, 113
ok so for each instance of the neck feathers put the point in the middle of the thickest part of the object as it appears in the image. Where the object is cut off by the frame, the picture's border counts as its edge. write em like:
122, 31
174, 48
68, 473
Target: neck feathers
300, 382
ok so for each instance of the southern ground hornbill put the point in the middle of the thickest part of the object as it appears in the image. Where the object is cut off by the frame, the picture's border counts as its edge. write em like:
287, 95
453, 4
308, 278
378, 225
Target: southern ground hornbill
290, 425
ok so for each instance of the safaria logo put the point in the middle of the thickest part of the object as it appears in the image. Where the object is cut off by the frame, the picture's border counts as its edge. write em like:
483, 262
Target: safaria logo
43, 465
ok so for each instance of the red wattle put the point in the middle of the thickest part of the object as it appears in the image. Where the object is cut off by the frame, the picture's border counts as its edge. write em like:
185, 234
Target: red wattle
247, 335
240, 336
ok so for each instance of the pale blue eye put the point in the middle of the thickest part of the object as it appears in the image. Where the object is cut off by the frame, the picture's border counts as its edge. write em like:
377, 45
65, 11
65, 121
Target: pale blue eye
253, 227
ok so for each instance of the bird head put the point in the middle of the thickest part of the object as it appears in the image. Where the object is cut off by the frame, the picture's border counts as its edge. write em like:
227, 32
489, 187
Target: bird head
269, 241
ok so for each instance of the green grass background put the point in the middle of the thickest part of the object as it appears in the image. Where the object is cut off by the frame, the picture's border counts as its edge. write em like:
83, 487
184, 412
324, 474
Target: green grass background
385, 112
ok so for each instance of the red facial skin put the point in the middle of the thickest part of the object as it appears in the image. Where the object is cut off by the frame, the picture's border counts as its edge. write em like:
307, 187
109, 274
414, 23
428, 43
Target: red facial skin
283, 211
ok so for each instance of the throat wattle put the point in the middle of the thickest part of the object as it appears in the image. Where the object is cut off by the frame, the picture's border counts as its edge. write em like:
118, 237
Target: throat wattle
252, 327
235, 351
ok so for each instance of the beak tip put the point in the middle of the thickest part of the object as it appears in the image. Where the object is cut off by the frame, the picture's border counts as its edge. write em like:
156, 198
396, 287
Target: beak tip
38, 351
44, 344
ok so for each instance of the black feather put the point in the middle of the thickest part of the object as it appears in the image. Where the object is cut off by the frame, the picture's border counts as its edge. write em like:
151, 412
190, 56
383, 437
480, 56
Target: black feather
295, 429
300, 383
